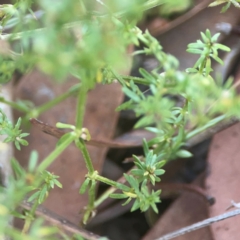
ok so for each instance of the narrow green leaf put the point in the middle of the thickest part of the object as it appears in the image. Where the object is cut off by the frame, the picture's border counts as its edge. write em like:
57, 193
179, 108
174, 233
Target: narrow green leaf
34, 196
18, 215
137, 172
160, 164
235, 3
204, 37
17, 145
154, 207
156, 141
132, 181
43, 194
8, 139
222, 47
23, 142
183, 154
118, 196
51, 184
33, 161
128, 201
226, 7
216, 58
195, 45
57, 183
199, 61
123, 187
147, 75
145, 147
124, 106
194, 51
136, 205
146, 120
131, 94
17, 168
208, 66
84, 186
18, 123
159, 172
154, 130
139, 165
191, 70
152, 179
216, 3
208, 34
215, 38
24, 135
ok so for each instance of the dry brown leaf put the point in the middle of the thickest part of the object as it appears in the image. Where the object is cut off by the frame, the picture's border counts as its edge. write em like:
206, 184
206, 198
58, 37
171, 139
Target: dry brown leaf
189, 208
223, 180
100, 119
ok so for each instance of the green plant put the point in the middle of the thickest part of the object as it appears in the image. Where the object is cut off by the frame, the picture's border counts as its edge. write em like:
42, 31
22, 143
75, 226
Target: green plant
207, 49
14, 134
173, 111
228, 4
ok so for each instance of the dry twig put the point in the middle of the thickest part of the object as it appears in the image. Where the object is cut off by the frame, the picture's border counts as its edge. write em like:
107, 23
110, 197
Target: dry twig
199, 225
61, 223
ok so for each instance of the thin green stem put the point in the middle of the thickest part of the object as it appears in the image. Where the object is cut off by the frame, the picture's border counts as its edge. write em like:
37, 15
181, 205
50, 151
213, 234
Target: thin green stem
135, 79
30, 217
82, 146
206, 126
104, 196
92, 193
58, 150
15, 234
109, 181
90, 206
81, 104
118, 77
37, 111
14, 105
124, 78
58, 99
114, 185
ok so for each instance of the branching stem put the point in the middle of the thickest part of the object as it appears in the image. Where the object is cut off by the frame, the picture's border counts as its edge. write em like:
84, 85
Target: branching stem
58, 99
30, 217
81, 104
82, 146
53, 155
